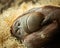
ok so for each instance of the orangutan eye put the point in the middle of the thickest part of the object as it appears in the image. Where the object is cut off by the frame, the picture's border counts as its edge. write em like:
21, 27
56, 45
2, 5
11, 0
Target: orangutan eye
17, 29
18, 24
18, 32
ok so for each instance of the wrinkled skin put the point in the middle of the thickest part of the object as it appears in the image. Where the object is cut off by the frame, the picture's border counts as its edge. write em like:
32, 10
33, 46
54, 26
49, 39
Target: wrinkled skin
37, 26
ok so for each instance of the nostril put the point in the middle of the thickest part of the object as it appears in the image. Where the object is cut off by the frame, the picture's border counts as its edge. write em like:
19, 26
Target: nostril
17, 27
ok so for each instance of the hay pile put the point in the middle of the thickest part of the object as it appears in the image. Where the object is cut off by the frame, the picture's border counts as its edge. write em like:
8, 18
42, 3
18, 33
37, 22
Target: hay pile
7, 18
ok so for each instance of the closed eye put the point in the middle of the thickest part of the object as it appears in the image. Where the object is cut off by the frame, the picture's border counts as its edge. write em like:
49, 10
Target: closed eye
18, 24
17, 29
